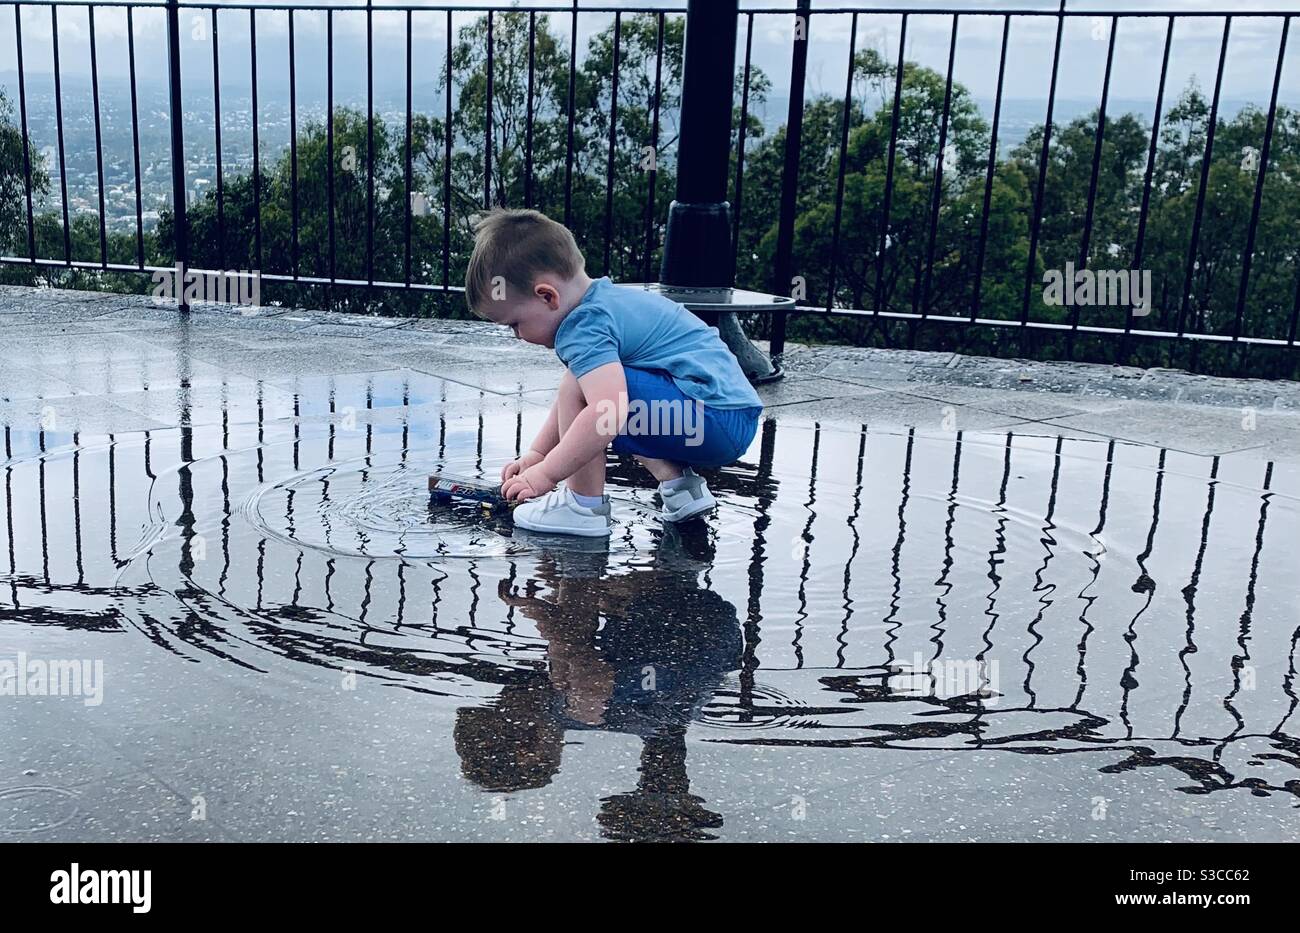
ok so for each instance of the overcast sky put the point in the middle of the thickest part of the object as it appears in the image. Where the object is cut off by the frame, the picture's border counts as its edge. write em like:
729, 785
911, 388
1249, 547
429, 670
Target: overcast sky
1252, 52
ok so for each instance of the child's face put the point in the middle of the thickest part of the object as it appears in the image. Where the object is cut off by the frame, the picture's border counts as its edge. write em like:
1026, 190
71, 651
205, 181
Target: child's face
534, 318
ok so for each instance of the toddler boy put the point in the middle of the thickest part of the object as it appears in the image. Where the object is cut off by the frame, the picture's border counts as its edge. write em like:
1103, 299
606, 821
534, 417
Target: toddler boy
644, 374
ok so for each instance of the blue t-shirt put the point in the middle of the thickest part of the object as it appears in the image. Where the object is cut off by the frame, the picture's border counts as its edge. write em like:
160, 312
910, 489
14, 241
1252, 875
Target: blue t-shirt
648, 331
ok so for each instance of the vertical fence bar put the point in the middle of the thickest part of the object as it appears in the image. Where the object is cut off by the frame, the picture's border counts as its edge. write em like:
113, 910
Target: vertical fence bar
99, 142
487, 123
27, 153
889, 169
1205, 184
177, 113
844, 149
446, 173
613, 129
1085, 246
135, 138
740, 144
370, 143
26, 144
216, 117
937, 199
1099, 142
654, 150
293, 149
1295, 315
988, 180
410, 203
257, 144
568, 151
58, 111
528, 111
329, 133
1037, 223
847, 600
766, 486
806, 536
1189, 592
1249, 254
891, 622
1139, 249
790, 174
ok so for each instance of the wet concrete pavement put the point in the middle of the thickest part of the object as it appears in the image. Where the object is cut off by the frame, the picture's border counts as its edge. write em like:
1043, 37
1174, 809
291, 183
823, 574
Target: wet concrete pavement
943, 598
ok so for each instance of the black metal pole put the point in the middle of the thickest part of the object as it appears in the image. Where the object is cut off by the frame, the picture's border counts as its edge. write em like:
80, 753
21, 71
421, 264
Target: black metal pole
697, 240
22, 108
177, 113
781, 273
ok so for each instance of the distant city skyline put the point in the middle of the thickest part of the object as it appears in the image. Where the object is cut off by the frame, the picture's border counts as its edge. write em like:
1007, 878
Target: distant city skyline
1248, 76
1249, 72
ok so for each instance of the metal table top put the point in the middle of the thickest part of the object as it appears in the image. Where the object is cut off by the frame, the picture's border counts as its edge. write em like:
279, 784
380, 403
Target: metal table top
716, 299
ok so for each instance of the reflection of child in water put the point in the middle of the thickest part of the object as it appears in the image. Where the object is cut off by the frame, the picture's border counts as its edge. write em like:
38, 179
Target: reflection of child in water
664, 643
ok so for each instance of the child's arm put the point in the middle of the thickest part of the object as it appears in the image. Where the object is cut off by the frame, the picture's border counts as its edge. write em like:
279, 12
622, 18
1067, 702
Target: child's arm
543, 443
605, 389
599, 422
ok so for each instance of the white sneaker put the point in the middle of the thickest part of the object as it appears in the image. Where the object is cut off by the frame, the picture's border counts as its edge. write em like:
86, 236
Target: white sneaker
558, 513
689, 499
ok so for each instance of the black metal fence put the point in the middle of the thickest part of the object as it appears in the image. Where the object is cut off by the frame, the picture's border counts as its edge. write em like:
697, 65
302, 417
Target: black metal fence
1181, 319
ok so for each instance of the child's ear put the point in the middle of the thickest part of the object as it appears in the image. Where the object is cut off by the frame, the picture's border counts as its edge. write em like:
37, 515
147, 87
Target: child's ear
548, 294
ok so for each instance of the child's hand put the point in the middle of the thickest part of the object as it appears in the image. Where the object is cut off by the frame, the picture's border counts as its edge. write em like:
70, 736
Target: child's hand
528, 484
529, 458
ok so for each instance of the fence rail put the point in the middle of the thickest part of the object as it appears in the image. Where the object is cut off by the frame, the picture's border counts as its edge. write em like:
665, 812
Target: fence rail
1188, 323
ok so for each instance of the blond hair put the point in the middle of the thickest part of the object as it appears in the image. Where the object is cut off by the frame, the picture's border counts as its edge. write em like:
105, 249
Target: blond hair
518, 246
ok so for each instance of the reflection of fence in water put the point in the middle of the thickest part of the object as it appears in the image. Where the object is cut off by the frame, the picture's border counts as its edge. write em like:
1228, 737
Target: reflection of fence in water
1106, 578
1114, 579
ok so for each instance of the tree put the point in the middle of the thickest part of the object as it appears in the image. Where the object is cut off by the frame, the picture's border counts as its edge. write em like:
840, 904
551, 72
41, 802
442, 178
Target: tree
13, 192
856, 246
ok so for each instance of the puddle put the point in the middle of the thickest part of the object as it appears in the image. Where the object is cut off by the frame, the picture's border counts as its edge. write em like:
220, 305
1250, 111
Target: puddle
860, 593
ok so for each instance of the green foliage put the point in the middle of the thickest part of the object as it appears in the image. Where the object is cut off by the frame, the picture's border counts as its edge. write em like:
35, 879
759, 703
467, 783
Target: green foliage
13, 193
899, 281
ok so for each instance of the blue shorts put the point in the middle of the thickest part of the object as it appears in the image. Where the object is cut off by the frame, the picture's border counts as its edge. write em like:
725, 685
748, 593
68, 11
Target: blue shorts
664, 423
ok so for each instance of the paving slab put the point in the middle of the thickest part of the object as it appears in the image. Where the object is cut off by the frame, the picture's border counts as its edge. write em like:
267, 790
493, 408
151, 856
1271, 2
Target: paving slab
89, 414
18, 381
1195, 429
887, 410
797, 389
